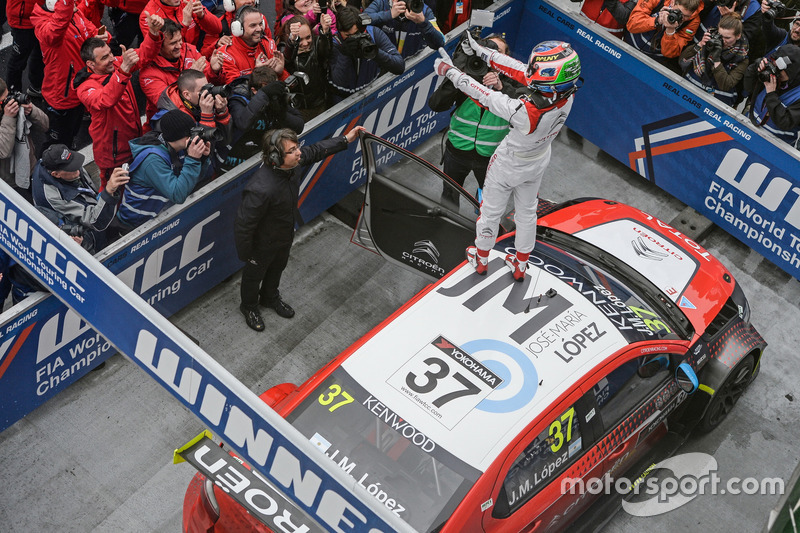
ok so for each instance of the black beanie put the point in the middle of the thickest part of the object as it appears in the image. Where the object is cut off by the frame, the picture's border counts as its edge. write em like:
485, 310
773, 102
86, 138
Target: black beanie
175, 125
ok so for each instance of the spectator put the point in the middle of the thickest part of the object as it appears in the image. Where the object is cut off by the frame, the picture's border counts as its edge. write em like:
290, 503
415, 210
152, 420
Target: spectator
409, 26
195, 20
175, 56
17, 153
310, 54
311, 10
663, 32
474, 132
60, 183
775, 37
776, 105
124, 15
105, 90
61, 33
258, 103
192, 95
265, 221
717, 63
25, 50
612, 15
229, 15
166, 167
250, 47
750, 13
360, 54
517, 167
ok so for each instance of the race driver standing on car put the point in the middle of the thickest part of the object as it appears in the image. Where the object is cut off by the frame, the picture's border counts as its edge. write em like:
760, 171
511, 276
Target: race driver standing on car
552, 76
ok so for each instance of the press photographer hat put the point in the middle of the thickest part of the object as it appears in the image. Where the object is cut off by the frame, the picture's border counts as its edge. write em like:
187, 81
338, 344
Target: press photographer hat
175, 125
59, 157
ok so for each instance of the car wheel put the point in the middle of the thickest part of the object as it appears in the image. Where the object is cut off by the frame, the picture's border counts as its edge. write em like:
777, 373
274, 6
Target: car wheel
728, 394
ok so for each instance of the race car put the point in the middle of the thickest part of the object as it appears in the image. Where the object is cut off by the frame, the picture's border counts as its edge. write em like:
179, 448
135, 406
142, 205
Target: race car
488, 404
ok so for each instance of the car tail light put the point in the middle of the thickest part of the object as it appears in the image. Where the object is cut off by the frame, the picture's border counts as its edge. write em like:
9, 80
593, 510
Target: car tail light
201, 510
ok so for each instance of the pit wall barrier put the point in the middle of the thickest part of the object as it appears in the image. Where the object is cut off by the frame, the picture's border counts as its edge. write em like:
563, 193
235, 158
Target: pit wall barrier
701, 151
188, 250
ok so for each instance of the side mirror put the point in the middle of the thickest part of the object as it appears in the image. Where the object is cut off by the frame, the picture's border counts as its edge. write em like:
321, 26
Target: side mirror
686, 378
652, 366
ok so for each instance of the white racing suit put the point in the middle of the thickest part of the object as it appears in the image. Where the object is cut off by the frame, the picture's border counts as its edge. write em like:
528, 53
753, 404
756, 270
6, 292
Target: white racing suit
521, 158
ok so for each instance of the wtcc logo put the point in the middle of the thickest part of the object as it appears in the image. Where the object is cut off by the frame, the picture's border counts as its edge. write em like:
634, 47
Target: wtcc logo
672, 483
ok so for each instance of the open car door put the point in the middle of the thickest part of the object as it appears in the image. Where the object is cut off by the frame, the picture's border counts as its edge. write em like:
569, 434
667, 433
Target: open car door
413, 214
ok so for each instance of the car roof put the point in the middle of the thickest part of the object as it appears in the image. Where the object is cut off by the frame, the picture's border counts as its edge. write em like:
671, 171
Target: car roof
469, 317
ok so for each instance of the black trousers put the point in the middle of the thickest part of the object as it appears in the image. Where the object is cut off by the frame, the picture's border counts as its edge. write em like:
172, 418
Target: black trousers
260, 279
458, 164
64, 126
25, 52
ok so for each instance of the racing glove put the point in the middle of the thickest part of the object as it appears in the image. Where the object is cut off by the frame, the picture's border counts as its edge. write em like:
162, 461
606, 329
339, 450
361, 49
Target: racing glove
444, 66
472, 47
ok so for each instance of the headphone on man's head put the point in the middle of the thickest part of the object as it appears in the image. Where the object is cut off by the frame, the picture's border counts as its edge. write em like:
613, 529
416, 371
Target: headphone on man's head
230, 5
237, 26
274, 155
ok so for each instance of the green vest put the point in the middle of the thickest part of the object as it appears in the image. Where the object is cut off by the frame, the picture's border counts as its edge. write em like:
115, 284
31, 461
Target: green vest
474, 128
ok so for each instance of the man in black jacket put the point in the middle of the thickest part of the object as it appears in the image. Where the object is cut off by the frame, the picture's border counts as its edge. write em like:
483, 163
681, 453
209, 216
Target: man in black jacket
264, 227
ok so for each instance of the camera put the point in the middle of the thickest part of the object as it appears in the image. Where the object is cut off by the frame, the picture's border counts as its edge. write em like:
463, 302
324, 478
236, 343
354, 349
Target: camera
774, 7
773, 68
715, 41
473, 65
674, 16
224, 91
73, 230
295, 88
21, 98
205, 134
415, 5
360, 45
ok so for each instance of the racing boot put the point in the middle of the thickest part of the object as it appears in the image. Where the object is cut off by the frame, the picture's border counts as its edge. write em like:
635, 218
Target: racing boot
479, 259
518, 263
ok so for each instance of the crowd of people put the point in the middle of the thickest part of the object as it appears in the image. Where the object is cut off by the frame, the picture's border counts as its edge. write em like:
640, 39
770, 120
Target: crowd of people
214, 77
736, 50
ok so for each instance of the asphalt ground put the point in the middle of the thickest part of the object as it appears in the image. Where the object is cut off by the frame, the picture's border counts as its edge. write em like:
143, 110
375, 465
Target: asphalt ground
98, 457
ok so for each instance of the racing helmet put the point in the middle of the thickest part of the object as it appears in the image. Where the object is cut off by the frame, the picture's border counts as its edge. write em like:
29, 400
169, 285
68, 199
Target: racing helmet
554, 67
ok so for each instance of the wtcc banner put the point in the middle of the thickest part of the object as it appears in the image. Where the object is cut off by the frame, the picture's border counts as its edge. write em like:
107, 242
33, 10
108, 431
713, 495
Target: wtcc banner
229, 409
678, 137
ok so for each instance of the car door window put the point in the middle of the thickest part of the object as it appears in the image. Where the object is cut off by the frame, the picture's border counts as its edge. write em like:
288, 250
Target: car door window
622, 390
543, 460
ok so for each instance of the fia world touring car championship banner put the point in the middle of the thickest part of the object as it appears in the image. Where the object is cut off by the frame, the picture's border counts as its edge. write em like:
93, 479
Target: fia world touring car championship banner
45, 346
675, 135
320, 491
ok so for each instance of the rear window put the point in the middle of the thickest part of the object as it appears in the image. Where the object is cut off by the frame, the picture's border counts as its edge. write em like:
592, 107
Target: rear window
400, 466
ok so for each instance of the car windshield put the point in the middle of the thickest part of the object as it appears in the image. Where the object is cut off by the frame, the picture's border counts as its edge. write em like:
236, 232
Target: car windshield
400, 467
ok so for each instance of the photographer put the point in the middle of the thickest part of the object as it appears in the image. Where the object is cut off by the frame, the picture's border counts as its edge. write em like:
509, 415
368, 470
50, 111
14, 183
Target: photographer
718, 63
410, 25
775, 83
474, 132
17, 153
61, 184
750, 13
309, 53
360, 54
205, 103
166, 167
259, 103
663, 32
773, 35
